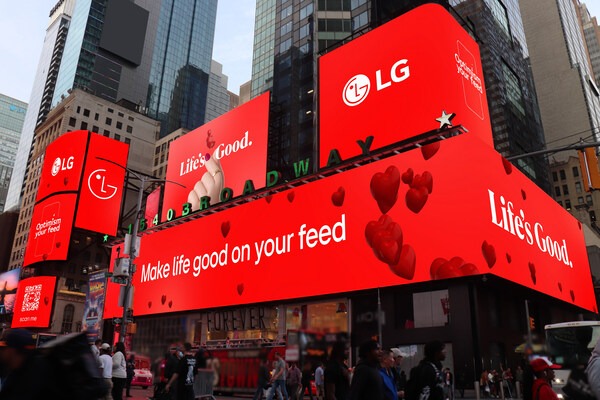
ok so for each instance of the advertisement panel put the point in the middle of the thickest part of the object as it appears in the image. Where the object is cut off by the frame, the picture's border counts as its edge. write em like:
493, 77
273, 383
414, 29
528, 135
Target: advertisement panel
224, 153
33, 306
63, 163
413, 217
400, 80
9, 281
50, 230
102, 187
94, 305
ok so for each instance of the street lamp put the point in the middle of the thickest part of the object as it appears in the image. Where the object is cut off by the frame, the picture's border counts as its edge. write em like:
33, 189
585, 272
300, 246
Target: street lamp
133, 243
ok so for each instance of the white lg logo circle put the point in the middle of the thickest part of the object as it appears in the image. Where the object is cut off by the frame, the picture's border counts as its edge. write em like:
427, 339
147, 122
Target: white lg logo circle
56, 166
356, 90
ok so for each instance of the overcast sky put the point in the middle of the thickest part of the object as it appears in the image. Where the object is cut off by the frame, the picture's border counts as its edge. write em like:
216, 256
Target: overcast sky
23, 24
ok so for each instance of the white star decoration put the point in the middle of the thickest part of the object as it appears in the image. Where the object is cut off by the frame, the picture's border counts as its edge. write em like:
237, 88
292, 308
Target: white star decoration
445, 119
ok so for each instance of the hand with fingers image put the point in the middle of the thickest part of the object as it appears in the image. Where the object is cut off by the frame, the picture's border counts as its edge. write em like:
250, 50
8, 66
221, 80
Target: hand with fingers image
211, 184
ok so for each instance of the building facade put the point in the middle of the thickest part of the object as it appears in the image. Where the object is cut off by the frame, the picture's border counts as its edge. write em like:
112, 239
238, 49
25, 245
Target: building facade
12, 115
219, 98
591, 32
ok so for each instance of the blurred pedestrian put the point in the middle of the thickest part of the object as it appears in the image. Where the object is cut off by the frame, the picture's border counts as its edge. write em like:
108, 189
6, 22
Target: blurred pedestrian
387, 376
593, 371
294, 377
263, 379
130, 368
119, 371
106, 361
306, 379
430, 374
399, 379
366, 381
278, 378
96, 350
320, 381
337, 377
448, 385
185, 374
544, 374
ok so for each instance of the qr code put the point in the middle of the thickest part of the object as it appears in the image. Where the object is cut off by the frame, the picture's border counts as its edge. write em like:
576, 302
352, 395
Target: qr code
31, 300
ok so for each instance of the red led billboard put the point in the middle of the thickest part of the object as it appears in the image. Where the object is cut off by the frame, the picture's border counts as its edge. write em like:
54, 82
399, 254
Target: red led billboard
394, 82
414, 217
224, 153
33, 306
102, 187
63, 162
50, 230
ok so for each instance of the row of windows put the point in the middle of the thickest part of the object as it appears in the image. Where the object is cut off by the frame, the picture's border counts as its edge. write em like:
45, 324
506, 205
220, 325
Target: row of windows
84, 125
588, 201
565, 189
563, 175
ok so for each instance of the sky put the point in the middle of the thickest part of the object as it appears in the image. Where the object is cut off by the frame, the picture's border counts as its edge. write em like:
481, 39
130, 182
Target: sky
23, 25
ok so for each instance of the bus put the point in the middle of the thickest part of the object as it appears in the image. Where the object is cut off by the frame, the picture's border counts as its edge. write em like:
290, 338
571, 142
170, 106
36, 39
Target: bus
570, 344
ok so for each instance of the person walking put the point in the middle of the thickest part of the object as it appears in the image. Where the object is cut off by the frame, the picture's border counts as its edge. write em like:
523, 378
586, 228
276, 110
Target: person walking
337, 377
106, 362
306, 378
320, 381
430, 373
389, 386
119, 371
130, 368
96, 350
278, 379
294, 377
263, 379
184, 375
367, 383
544, 374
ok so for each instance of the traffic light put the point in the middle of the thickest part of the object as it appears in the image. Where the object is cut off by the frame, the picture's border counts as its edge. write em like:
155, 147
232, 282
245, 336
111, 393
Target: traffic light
531, 323
588, 161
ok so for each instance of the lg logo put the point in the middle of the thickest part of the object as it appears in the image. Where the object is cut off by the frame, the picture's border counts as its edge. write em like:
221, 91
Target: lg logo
98, 186
61, 164
357, 88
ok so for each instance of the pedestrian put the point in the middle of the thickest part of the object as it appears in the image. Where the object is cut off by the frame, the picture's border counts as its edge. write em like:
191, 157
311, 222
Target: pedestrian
26, 375
263, 379
130, 369
294, 377
389, 386
448, 385
278, 379
461, 382
106, 361
306, 378
593, 371
399, 379
484, 384
366, 380
337, 377
184, 375
119, 371
544, 374
96, 350
320, 381
430, 373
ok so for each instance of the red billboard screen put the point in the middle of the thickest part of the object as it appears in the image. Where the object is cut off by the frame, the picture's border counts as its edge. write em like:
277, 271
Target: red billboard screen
50, 230
405, 219
102, 187
33, 306
223, 153
395, 81
63, 162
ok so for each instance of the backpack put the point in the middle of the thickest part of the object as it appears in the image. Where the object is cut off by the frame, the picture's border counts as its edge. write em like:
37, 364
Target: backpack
412, 390
578, 387
75, 368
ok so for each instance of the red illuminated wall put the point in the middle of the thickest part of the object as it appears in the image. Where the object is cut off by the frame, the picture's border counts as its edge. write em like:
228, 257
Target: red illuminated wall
393, 82
102, 186
63, 163
33, 306
236, 141
431, 213
50, 230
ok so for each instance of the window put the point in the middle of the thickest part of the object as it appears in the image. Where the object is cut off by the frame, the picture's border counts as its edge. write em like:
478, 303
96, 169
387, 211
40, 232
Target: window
95, 129
108, 121
120, 114
110, 110
575, 172
304, 30
557, 191
306, 11
565, 190
360, 20
157, 150
580, 200
127, 140
286, 28
286, 12
96, 116
117, 136
563, 176
72, 121
357, 3
285, 45
560, 203
86, 112
513, 89
554, 176
106, 133
593, 215
119, 125
568, 204
578, 187
67, 322
129, 129
499, 12
588, 200
84, 125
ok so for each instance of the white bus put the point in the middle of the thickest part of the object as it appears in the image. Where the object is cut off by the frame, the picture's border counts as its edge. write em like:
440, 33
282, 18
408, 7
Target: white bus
570, 344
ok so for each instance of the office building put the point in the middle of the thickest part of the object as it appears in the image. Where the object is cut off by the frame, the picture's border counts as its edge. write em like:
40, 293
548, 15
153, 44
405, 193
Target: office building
591, 32
12, 115
218, 98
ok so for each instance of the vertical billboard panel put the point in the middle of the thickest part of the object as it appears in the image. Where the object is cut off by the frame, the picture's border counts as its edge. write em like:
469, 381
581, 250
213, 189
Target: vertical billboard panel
63, 163
33, 306
399, 81
50, 230
94, 305
102, 186
225, 152
409, 218
9, 282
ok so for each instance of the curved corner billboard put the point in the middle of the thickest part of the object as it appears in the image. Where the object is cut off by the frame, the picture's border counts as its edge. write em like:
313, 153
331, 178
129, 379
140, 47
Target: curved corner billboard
399, 81
63, 163
9, 281
414, 217
224, 153
33, 306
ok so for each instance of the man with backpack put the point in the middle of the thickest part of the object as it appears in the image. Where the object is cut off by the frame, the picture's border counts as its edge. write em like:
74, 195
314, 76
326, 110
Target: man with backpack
426, 381
367, 383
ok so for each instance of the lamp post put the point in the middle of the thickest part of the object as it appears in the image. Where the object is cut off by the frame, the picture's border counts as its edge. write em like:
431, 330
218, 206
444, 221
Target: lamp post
133, 243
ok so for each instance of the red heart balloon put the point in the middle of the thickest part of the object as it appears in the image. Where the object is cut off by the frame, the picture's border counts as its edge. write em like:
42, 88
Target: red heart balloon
508, 167
149, 304
424, 180
385, 238
225, 227
468, 269
532, 272
58, 244
430, 149
408, 176
449, 269
508, 258
405, 267
489, 253
416, 199
210, 143
337, 198
291, 196
163, 299
46, 300
269, 198
384, 188
170, 303
572, 293
523, 194
240, 288
560, 287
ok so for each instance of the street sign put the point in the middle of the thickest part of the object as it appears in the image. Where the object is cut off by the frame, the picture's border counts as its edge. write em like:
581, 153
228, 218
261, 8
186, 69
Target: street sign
117, 321
121, 280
